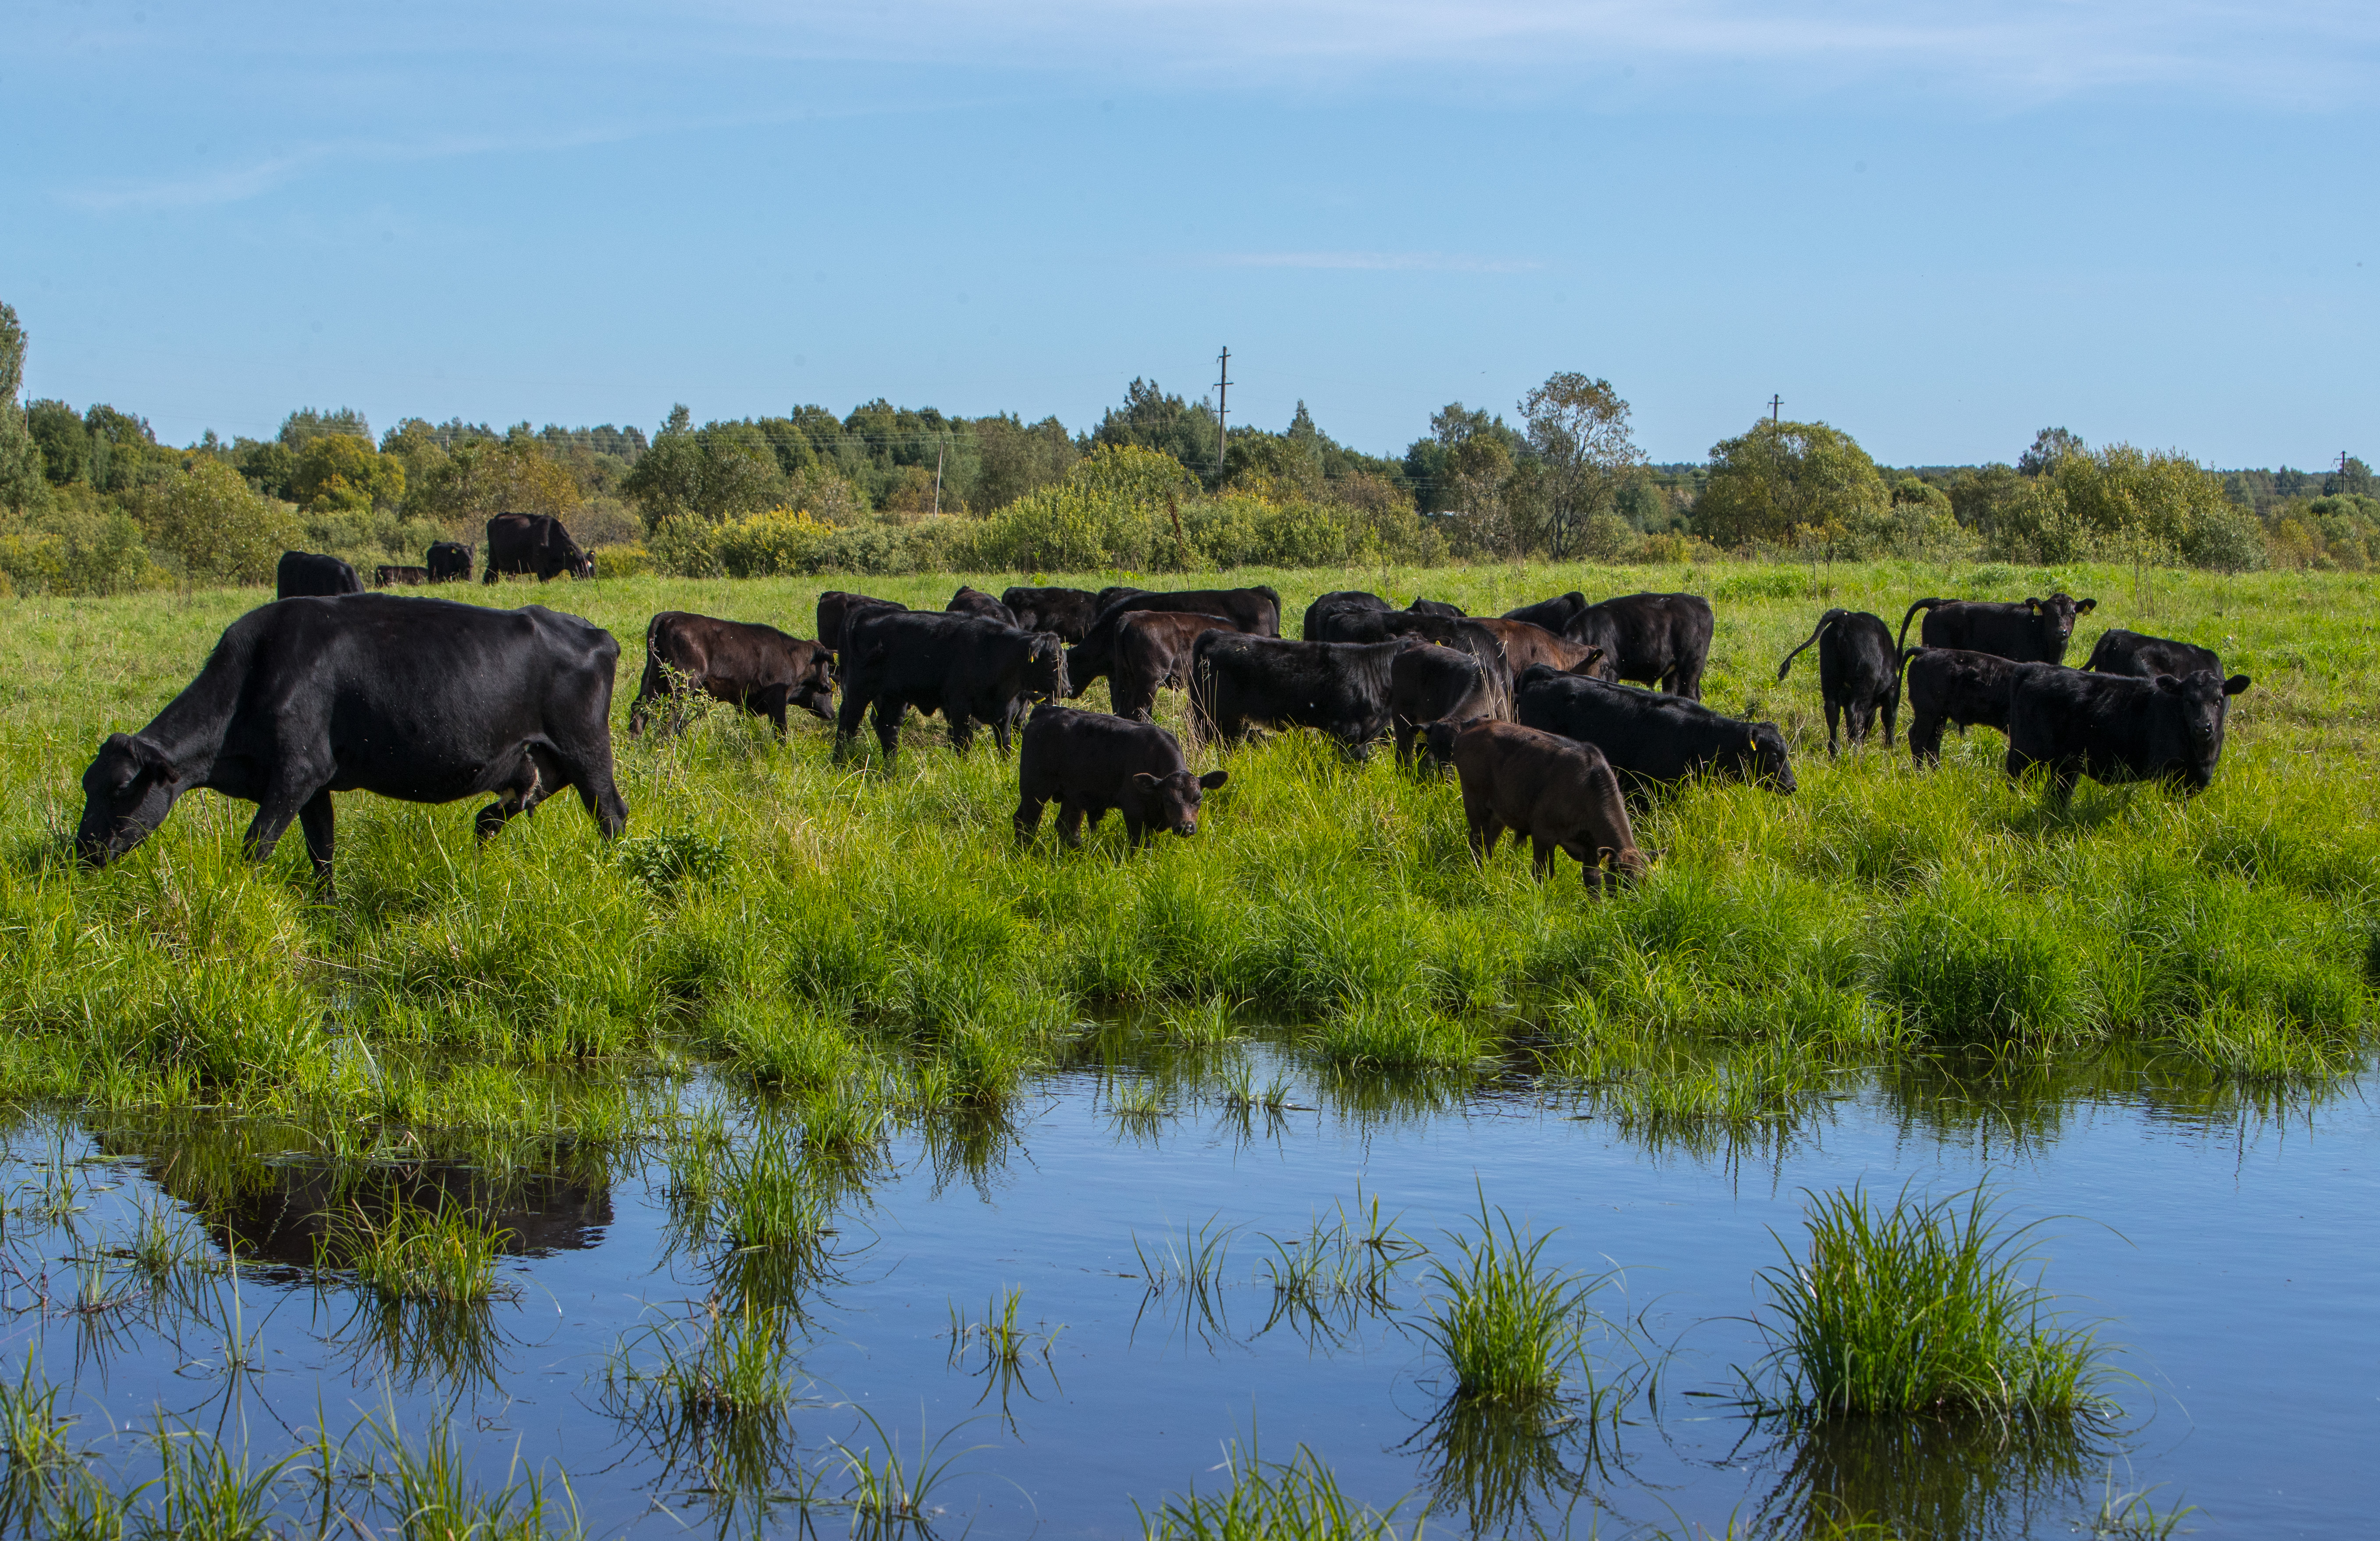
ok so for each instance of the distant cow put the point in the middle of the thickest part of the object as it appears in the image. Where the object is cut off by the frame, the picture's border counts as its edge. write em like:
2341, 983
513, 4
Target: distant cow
1955, 686
1088, 762
384, 575
2034, 632
1526, 643
449, 560
1238, 682
837, 609
2115, 728
1254, 611
1067, 612
1662, 639
309, 574
2130, 652
755, 667
1382, 625
1650, 737
1437, 607
1553, 615
1152, 651
968, 669
1859, 672
420, 699
974, 601
1553, 792
533, 543
1338, 598
1432, 685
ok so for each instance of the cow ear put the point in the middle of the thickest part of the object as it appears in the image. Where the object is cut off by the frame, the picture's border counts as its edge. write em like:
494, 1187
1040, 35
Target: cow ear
2166, 682
2235, 684
1145, 781
2033, 604
2084, 607
154, 763
1214, 778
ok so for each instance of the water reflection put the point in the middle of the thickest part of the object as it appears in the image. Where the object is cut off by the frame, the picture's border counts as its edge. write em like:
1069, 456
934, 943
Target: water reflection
1952, 1478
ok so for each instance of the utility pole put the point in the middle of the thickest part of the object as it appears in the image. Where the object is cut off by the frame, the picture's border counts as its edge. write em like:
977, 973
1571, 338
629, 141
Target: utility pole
1222, 396
1775, 405
938, 477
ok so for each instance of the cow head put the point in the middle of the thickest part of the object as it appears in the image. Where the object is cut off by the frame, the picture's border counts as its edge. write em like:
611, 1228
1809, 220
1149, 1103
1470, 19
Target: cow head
1437, 738
2056, 615
1170, 802
579, 564
127, 792
1044, 668
2204, 702
1769, 761
1595, 665
814, 687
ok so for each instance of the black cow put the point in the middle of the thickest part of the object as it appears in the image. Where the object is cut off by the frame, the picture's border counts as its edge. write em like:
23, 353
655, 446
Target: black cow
425, 700
755, 667
968, 669
1437, 607
1152, 650
2115, 728
1553, 615
974, 601
2130, 652
1382, 625
1433, 685
1114, 594
1953, 686
1254, 611
1238, 682
1553, 792
1660, 639
309, 574
533, 543
1650, 737
837, 609
2034, 632
1338, 598
384, 575
1859, 672
449, 560
1067, 612
1088, 762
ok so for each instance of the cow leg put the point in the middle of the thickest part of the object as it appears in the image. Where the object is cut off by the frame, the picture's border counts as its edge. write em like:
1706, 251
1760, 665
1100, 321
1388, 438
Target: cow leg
889, 713
285, 798
1028, 818
317, 821
1924, 740
1000, 731
1892, 709
589, 768
1541, 857
1486, 831
771, 704
1070, 823
1407, 731
847, 713
1834, 709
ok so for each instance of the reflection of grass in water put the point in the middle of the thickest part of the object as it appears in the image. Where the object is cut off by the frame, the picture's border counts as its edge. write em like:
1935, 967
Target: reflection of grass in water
891, 1494
434, 1497
1298, 1498
1323, 1281
1953, 1474
204, 1489
712, 1395
1919, 1306
1494, 1463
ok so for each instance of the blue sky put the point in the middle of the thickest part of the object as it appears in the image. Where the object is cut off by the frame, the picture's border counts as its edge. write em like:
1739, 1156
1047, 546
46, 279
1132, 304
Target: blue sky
1938, 226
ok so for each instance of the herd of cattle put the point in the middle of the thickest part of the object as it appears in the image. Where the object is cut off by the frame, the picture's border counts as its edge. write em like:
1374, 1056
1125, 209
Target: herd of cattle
529, 543
429, 701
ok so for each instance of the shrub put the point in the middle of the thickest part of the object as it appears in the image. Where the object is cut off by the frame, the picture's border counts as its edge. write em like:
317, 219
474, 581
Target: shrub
219, 530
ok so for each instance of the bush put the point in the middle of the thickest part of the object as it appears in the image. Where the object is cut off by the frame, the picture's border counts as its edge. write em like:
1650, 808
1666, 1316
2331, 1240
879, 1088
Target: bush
216, 527
75, 546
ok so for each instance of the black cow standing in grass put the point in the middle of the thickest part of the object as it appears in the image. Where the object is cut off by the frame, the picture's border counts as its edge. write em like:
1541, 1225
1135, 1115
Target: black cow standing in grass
1152, 651
2118, 651
968, 669
1859, 672
1953, 686
1088, 762
1437, 607
533, 543
384, 577
2035, 631
837, 609
449, 561
974, 601
1526, 643
310, 575
1067, 612
2117, 728
755, 667
1660, 639
1383, 625
1553, 615
1238, 682
1433, 684
1317, 614
1114, 594
1254, 611
1556, 794
1650, 737
420, 699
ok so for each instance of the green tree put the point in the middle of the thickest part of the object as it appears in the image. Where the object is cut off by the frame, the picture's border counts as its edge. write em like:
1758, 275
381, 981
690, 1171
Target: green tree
720, 470
308, 422
1014, 459
483, 477
2353, 476
223, 532
2049, 446
342, 471
1982, 496
2142, 506
22, 485
1785, 481
1579, 429
65, 443
1152, 418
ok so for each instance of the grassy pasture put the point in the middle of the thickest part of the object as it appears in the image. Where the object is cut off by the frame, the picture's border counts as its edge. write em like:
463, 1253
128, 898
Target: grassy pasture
870, 945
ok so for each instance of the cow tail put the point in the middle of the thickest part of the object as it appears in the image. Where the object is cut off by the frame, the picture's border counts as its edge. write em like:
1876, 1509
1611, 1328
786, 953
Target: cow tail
1828, 619
1923, 604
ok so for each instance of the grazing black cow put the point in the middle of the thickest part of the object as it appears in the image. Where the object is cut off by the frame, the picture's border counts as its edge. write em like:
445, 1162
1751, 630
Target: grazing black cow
1662, 639
425, 700
1088, 762
1553, 615
1113, 594
1437, 607
1650, 737
1067, 612
1238, 682
1859, 672
1381, 626
1553, 792
309, 574
2115, 728
1526, 643
837, 609
384, 575
1152, 650
2034, 632
974, 601
968, 669
1254, 611
2130, 652
1338, 598
755, 667
1432, 685
449, 560
1958, 688
533, 543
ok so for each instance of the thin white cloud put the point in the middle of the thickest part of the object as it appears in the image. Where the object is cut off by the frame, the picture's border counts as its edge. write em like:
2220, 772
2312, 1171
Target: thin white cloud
1372, 261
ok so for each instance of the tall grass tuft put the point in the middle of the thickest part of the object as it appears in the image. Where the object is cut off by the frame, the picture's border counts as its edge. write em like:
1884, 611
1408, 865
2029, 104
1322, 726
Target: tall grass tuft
1297, 1499
1920, 1306
1509, 1326
443, 1256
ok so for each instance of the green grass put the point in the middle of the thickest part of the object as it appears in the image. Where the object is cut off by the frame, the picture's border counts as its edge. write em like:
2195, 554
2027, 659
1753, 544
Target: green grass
1920, 1306
1297, 1499
443, 1256
1508, 1326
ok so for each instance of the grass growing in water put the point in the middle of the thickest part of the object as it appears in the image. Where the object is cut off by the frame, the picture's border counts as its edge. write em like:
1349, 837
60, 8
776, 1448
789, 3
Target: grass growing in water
1509, 1326
1919, 1306
443, 1256
1298, 1499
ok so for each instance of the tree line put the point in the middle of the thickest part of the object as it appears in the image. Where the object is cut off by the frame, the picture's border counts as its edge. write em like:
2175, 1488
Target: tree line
90, 502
